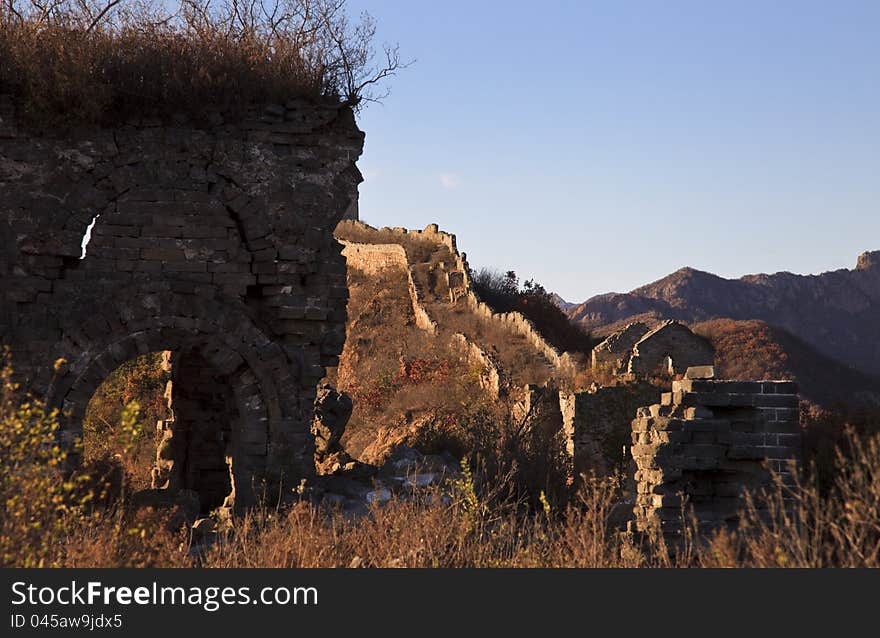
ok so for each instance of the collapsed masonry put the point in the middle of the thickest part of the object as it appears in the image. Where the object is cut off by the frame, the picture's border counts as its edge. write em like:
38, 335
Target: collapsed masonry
596, 424
638, 352
213, 243
707, 442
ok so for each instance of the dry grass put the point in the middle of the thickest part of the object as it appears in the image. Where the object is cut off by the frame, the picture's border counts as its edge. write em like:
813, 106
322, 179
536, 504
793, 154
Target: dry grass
513, 510
425, 533
84, 61
520, 361
54, 518
51, 519
514, 461
804, 527
393, 370
586, 376
784, 527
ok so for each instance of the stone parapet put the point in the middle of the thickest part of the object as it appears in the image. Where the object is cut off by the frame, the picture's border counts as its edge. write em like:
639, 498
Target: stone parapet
706, 443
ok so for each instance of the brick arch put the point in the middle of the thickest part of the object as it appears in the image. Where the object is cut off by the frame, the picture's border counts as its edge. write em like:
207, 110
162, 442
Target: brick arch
143, 320
255, 367
73, 393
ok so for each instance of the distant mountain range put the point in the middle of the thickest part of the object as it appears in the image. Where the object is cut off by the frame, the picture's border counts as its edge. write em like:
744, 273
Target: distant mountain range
837, 313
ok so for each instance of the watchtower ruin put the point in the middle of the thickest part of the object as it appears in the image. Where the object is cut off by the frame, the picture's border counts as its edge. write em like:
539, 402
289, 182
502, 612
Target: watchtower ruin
212, 242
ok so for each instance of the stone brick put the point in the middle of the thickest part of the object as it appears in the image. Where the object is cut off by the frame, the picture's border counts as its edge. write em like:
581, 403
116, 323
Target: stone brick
698, 412
780, 387
790, 401
730, 431
700, 372
162, 254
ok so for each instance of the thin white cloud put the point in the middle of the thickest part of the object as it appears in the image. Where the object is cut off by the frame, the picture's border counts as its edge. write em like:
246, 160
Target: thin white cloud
450, 181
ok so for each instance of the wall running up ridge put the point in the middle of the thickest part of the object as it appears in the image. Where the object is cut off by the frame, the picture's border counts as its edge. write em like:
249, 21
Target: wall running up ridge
460, 285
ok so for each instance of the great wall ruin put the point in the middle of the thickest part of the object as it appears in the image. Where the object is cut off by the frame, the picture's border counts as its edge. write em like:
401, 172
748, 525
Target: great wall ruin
216, 244
704, 443
637, 351
457, 280
213, 243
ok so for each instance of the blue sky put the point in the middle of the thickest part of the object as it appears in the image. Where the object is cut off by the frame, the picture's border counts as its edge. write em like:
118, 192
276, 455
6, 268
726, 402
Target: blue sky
597, 146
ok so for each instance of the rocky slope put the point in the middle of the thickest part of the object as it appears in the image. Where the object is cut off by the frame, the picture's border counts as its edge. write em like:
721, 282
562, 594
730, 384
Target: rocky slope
837, 313
423, 352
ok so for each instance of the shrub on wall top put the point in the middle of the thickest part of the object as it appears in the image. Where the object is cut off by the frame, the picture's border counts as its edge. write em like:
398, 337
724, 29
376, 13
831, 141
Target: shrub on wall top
94, 61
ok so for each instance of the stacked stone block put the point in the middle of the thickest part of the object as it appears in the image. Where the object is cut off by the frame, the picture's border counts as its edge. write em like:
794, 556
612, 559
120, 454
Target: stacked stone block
705, 444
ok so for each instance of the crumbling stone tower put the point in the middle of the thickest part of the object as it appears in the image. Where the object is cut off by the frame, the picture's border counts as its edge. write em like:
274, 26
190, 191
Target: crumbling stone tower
212, 242
706, 443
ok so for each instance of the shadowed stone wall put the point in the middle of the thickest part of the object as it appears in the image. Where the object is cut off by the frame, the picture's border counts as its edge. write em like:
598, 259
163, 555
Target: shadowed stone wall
639, 352
707, 442
213, 243
596, 424
614, 353
671, 346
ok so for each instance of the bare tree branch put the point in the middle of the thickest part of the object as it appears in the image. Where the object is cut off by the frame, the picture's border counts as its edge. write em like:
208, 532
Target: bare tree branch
14, 11
287, 45
101, 15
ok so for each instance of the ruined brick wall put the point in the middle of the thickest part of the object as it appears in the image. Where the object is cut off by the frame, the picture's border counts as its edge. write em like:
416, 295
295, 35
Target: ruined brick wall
374, 258
597, 424
214, 243
537, 406
613, 354
670, 344
707, 442
458, 279
482, 362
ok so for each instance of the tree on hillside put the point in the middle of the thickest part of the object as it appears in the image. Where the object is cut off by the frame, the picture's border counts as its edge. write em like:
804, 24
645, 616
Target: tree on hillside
503, 293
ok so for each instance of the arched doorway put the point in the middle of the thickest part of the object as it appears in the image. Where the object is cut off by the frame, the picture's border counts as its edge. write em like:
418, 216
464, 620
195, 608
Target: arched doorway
214, 441
232, 420
204, 420
183, 436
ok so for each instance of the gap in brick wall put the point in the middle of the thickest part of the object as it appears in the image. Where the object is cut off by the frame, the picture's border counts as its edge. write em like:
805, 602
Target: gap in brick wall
87, 237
